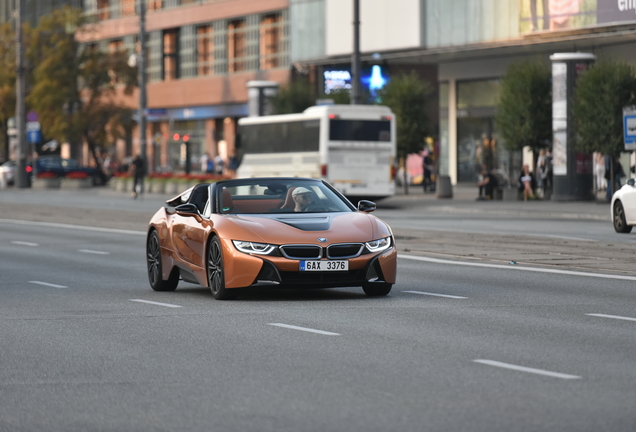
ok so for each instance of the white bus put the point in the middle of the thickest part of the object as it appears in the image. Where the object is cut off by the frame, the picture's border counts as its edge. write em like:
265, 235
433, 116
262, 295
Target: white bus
350, 146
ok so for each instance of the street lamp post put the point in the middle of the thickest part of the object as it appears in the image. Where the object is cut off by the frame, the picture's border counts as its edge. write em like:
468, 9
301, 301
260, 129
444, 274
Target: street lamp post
142, 82
355, 61
21, 180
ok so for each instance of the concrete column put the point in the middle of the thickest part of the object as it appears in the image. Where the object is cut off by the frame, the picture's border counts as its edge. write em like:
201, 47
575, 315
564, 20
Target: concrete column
452, 130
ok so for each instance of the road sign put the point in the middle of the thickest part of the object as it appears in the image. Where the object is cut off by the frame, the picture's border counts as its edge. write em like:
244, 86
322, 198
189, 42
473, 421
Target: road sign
34, 136
629, 127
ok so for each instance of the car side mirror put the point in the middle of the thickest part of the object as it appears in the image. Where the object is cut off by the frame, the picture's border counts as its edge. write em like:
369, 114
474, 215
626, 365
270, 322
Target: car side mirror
366, 206
187, 209
631, 182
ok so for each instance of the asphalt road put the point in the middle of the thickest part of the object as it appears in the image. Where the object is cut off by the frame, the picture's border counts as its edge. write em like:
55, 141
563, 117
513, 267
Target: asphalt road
462, 343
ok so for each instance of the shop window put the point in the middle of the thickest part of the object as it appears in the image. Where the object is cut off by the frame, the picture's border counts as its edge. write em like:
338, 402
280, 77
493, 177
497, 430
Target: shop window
170, 54
205, 50
237, 50
270, 41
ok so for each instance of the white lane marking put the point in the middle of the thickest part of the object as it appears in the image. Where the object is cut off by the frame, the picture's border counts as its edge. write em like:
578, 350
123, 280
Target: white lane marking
47, 284
322, 332
96, 252
23, 243
74, 227
515, 267
435, 295
526, 369
155, 303
612, 316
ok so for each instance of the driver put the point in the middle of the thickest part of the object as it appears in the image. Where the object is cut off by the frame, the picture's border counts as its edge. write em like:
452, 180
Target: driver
303, 200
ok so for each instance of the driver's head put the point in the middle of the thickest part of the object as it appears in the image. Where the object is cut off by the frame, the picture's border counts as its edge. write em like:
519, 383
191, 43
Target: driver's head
302, 196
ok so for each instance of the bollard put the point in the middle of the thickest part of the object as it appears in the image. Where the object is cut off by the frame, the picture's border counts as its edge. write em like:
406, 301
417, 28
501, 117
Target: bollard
444, 187
3, 180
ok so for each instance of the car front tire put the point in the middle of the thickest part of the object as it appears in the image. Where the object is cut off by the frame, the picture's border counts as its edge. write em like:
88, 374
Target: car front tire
620, 223
155, 269
216, 272
377, 289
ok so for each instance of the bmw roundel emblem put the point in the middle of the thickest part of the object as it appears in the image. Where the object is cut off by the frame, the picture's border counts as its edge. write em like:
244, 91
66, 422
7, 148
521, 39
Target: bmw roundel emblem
322, 239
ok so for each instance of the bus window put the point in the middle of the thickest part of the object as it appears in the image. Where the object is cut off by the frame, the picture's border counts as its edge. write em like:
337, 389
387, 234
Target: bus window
359, 130
280, 137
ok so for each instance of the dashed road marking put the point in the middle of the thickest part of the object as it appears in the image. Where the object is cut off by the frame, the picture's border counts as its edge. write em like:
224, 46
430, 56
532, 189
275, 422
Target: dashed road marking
47, 284
156, 303
310, 330
96, 252
612, 316
23, 243
526, 369
435, 295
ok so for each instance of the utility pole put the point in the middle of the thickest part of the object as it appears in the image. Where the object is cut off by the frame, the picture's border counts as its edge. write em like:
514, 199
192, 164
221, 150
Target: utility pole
21, 180
142, 83
355, 61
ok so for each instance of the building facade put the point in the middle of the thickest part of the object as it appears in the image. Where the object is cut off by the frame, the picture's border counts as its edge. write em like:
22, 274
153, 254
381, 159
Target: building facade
467, 46
200, 56
33, 10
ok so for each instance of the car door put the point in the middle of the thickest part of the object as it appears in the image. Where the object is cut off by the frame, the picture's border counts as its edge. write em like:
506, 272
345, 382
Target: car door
189, 233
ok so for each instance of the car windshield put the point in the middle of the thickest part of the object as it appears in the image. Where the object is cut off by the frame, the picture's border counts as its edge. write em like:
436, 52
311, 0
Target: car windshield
278, 196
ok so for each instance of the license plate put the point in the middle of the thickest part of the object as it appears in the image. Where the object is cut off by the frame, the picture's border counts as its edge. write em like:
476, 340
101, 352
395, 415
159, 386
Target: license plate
324, 265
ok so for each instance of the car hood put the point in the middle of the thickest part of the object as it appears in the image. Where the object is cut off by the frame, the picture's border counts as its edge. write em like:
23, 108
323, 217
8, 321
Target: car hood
307, 228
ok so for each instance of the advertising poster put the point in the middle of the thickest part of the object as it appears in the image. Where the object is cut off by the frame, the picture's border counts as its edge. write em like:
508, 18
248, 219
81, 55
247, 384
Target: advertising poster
559, 119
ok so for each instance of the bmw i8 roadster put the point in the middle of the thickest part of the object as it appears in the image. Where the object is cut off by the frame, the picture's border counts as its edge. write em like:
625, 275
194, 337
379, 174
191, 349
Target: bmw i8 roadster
266, 232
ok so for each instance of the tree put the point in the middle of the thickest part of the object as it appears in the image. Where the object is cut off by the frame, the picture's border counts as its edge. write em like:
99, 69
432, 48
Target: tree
294, 97
7, 82
524, 109
406, 95
75, 87
600, 95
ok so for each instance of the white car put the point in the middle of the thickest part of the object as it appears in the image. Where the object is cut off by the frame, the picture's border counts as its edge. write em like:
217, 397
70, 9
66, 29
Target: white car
8, 170
624, 207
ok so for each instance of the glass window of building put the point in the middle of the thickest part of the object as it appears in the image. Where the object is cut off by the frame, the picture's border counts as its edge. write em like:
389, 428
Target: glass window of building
237, 49
205, 50
127, 8
477, 139
170, 54
103, 9
155, 5
270, 40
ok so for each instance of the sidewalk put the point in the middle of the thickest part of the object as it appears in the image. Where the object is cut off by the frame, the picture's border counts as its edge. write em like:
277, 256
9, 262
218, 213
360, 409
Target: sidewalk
464, 201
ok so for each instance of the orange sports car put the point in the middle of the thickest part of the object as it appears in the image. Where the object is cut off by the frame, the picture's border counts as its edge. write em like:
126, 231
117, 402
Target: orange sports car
260, 232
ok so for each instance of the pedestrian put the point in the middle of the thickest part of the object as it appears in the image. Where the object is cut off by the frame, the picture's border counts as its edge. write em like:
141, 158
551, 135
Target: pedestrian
427, 169
527, 183
138, 171
540, 169
613, 165
487, 184
599, 171
219, 164
203, 160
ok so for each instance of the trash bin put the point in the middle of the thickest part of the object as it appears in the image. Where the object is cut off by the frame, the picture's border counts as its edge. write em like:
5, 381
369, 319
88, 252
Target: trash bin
444, 187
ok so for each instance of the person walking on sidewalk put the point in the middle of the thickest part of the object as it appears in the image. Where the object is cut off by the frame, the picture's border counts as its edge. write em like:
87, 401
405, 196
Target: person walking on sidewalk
138, 171
427, 168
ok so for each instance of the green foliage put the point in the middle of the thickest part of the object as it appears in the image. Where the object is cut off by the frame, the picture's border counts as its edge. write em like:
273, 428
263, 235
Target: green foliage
600, 96
406, 95
524, 110
74, 88
294, 97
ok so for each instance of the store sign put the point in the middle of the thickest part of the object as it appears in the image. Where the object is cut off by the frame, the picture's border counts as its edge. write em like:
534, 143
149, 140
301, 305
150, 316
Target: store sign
629, 127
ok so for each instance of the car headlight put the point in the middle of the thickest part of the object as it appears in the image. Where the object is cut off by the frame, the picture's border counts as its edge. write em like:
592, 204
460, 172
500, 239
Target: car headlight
379, 245
253, 248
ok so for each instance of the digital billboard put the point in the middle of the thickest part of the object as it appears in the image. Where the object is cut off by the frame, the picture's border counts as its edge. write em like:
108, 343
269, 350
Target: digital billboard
554, 15
371, 78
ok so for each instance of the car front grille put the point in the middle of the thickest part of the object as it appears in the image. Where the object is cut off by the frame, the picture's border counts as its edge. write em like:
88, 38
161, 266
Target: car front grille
354, 277
301, 251
344, 250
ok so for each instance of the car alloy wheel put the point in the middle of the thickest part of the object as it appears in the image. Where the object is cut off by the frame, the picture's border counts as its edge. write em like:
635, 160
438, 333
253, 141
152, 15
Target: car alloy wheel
155, 270
620, 223
216, 275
